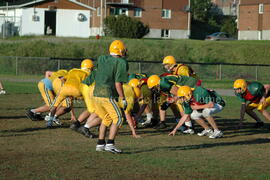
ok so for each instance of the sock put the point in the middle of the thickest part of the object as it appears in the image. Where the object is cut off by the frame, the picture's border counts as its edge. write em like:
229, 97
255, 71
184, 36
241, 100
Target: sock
101, 141
149, 116
110, 141
86, 126
188, 124
33, 111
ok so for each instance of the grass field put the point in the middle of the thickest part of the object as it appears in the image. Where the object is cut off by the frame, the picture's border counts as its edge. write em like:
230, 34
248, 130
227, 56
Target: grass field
30, 151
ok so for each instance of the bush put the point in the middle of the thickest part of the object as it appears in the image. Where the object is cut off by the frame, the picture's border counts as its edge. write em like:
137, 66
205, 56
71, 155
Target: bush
229, 26
124, 27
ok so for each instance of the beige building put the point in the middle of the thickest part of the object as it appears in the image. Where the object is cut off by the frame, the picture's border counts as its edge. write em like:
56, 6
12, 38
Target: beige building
84, 18
227, 7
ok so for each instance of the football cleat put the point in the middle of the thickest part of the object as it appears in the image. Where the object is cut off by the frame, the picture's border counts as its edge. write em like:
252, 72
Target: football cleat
56, 121
86, 132
111, 148
188, 131
160, 125
259, 124
216, 134
2, 91
206, 132
100, 147
31, 115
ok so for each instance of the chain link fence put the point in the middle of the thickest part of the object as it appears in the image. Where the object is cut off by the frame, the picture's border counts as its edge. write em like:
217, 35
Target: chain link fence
36, 66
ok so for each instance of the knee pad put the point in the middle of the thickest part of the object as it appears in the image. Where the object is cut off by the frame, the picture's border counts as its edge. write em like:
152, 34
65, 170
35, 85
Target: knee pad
206, 113
195, 115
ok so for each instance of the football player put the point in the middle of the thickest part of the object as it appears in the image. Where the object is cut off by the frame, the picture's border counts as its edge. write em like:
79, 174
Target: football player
200, 104
253, 95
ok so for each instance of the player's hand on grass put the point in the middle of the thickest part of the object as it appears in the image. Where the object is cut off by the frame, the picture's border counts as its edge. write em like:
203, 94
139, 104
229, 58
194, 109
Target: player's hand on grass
73, 118
136, 135
262, 101
240, 125
172, 133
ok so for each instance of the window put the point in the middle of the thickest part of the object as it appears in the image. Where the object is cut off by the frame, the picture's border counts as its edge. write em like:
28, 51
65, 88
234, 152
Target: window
125, 1
165, 33
166, 13
260, 8
118, 11
98, 11
123, 11
137, 12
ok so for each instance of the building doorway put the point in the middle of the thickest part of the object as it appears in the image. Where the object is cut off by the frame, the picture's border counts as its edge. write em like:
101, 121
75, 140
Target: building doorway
50, 23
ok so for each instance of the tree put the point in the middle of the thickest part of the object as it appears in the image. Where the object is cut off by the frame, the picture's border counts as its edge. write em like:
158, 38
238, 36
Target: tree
229, 26
124, 26
201, 10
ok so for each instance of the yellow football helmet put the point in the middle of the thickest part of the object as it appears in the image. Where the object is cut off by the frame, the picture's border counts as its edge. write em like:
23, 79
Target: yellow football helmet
118, 48
134, 82
153, 81
185, 91
240, 84
169, 60
87, 64
137, 92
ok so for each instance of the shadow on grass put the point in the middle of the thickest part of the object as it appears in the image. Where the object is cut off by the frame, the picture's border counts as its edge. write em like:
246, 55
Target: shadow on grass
14, 135
148, 131
12, 117
203, 146
35, 129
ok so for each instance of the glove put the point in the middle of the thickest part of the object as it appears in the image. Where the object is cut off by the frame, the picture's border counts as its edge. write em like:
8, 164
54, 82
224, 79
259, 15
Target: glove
165, 106
124, 102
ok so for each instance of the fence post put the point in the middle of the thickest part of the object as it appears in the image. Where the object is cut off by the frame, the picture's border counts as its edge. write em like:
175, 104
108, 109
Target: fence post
59, 64
220, 72
140, 68
256, 73
16, 65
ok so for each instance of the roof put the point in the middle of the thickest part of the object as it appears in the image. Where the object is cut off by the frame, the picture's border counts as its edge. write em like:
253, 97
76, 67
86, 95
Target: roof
23, 3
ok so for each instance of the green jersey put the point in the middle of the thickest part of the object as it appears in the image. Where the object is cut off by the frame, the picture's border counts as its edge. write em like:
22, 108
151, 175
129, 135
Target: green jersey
204, 96
254, 92
138, 76
90, 78
166, 82
109, 71
187, 108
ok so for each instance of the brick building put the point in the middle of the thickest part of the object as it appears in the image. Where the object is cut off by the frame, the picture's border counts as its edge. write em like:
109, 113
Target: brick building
165, 18
254, 20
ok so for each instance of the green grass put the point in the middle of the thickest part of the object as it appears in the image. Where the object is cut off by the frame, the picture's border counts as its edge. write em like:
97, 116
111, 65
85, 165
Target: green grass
30, 151
20, 87
141, 49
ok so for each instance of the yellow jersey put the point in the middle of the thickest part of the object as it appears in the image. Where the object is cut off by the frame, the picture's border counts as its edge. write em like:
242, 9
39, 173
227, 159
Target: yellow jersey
130, 97
57, 74
75, 77
184, 70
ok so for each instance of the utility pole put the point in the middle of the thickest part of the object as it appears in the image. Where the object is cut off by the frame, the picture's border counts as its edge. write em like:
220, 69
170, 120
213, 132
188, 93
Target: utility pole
189, 19
101, 17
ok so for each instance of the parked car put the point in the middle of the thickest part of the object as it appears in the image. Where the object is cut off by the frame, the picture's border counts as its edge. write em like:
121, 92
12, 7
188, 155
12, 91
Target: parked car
219, 36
